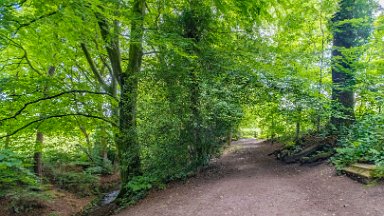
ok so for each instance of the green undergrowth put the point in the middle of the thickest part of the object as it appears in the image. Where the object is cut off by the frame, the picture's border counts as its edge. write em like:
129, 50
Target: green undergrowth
75, 173
18, 184
363, 143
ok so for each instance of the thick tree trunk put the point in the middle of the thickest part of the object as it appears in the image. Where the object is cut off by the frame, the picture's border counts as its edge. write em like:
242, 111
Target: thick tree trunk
343, 86
192, 30
127, 140
343, 95
346, 38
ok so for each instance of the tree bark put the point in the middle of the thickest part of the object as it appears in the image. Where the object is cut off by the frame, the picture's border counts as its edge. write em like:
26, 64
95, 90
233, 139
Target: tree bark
127, 140
192, 31
347, 36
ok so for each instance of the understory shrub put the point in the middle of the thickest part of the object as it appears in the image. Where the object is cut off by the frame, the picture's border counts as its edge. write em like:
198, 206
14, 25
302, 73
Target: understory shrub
363, 143
379, 171
15, 173
25, 200
18, 184
71, 172
81, 183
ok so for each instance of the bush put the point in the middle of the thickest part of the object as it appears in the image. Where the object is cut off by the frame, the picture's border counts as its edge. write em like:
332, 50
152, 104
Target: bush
25, 200
18, 184
139, 187
14, 173
101, 167
379, 171
80, 183
363, 143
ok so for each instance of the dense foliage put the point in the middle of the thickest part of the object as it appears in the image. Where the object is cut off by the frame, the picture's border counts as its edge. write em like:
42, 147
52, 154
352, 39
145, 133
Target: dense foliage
157, 88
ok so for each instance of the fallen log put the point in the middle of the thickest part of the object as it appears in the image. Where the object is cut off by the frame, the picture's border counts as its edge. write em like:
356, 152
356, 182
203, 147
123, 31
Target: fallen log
305, 152
317, 157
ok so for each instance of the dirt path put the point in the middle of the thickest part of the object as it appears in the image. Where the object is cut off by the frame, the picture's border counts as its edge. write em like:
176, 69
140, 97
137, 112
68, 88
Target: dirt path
248, 182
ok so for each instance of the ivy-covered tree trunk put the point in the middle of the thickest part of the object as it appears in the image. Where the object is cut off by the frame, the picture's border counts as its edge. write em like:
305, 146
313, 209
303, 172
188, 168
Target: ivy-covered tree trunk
127, 141
193, 25
349, 34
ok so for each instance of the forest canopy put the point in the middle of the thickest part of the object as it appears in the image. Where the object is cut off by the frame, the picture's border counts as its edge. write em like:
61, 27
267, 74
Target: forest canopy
153, 90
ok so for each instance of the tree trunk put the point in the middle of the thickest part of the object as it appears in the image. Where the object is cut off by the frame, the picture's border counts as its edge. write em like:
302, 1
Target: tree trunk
127, 140
86, 136
298, 123
347, 36
297, 135
38, 166
192, 30
343, 86
229, 137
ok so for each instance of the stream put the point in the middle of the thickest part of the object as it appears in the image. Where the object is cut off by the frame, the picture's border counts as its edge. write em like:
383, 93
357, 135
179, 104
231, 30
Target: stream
109, 198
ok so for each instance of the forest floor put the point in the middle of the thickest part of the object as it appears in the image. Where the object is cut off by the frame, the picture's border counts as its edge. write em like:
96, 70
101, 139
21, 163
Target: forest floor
246, 181
62, 203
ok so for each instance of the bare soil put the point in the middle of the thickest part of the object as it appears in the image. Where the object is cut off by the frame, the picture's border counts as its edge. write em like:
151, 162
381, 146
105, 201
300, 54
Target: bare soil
63, 203
248, 182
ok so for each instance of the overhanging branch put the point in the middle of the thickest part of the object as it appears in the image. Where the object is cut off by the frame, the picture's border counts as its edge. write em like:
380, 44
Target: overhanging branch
35, 20
59, 116
95, 71
52, 97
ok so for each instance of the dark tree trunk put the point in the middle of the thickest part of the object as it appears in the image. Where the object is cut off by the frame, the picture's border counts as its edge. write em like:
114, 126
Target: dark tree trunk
347, 37
343, 85
127, 140
193, 30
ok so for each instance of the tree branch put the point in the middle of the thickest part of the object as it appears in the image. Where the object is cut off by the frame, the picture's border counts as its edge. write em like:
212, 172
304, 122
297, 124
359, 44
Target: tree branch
58, 116
35, 20
25, 56
52, 97
94, 69
112, 45
14, 4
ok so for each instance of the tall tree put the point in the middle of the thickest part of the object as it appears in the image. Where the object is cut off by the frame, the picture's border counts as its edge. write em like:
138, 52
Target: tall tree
127, 141
351, 30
